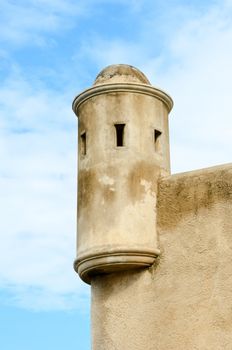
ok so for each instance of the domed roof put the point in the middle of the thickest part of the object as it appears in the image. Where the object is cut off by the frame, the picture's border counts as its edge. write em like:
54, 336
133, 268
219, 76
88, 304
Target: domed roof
121, 73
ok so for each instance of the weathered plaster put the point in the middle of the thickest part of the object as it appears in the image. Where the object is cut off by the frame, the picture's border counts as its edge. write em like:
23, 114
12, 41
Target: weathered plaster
116, 186
131, 211
184, 301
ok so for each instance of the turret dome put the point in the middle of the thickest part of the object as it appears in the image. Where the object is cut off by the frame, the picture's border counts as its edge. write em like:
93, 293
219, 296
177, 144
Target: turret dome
121, 73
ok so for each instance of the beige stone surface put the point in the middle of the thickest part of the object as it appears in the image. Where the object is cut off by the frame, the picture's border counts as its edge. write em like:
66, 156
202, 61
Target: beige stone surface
185, 301
156, 248
116, 185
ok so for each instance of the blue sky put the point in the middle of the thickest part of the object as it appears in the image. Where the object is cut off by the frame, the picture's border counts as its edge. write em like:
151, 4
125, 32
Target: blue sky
50, 50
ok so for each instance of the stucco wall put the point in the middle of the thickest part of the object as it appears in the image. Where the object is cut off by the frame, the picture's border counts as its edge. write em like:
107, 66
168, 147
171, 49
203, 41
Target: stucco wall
185, 301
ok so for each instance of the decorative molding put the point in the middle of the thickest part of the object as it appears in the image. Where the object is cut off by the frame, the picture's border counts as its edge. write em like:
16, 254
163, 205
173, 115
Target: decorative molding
113, 262
122, 87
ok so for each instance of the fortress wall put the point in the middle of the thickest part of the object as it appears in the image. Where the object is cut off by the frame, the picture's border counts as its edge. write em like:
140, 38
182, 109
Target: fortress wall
185, 301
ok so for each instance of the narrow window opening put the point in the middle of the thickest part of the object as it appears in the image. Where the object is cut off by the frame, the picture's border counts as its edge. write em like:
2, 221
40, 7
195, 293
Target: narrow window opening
157, 138
83, 143
119, 128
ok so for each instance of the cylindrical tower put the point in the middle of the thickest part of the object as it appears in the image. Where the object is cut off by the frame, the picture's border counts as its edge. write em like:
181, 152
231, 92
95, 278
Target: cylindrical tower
123, 148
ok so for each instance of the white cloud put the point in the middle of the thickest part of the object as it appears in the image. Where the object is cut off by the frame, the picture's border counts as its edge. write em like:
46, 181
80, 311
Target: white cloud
27, 21
38, 197
200, 82
104, 53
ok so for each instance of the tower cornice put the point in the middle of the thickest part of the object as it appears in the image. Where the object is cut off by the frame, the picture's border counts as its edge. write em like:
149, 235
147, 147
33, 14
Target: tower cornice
122, 87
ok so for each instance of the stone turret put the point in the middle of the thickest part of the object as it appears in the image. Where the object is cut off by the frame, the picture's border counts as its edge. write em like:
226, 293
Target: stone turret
123, 149
130, 206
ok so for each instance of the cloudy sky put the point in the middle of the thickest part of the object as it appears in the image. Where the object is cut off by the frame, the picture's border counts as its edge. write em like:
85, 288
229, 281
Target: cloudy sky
50, 50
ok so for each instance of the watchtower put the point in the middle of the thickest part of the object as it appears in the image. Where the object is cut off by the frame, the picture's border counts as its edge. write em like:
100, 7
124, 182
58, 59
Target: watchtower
123, 149
130, 206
